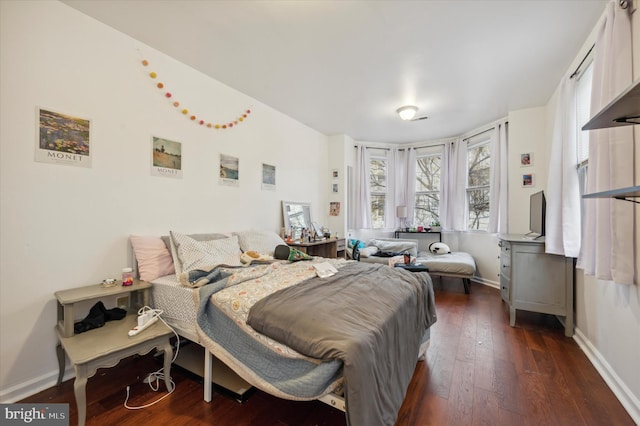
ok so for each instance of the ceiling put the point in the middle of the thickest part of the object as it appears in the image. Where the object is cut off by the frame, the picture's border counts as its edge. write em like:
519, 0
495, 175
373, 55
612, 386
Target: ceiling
344, 67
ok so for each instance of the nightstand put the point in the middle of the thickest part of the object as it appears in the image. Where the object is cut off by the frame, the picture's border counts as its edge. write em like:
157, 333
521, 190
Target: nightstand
104, 347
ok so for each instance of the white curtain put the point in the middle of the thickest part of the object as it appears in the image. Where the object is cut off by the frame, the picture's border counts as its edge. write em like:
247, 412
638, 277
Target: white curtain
361, 190
454, 186
608, 251
393, 182
563, 222
405, 184
499, 178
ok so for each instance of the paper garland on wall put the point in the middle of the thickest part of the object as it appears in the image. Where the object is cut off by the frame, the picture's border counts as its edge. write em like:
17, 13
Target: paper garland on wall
185, 111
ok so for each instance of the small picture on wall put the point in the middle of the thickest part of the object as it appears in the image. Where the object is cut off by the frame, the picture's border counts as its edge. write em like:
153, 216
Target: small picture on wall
334, 208
268, 177
166, 158
334, 188
335, 174
526, 159
528, 180
63, 139
229, 170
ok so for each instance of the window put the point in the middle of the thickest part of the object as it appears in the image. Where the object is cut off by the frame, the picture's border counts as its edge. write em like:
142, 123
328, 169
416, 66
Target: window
478, 167
427, 198
378, 188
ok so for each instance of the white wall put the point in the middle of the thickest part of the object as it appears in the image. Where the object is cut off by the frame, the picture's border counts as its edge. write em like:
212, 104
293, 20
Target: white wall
608, 314
340, 146
527, 133
64, 226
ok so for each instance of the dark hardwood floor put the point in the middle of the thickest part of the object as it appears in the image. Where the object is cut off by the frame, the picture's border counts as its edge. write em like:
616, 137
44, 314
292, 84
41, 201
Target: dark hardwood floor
479, 371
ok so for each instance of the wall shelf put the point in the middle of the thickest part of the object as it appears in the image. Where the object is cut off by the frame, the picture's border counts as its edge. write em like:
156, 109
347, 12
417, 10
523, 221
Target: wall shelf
624, 110
619, 194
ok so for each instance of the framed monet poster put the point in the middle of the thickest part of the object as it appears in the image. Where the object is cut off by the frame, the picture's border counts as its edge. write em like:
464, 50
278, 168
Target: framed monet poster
63, 139
229, 170
166, 158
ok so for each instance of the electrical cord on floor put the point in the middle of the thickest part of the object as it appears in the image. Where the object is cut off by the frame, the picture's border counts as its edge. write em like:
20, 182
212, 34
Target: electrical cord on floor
153, 379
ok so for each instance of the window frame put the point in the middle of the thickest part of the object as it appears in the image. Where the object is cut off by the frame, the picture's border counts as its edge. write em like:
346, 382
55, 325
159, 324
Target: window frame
381, 158
419, 156
486, 141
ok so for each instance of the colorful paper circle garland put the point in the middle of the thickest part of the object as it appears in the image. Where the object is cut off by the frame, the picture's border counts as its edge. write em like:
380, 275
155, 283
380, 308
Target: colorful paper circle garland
193, 117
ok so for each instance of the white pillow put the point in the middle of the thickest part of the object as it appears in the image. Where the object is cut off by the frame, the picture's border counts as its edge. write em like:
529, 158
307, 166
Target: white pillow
439, 248
396, 246
368, 251
206, 255
263, 242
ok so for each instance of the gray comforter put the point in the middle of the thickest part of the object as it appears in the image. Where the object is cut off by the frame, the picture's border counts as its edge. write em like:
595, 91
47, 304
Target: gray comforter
371, 317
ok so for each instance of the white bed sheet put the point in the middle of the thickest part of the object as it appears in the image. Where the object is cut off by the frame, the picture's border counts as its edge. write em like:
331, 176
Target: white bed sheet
178, 305
457, 262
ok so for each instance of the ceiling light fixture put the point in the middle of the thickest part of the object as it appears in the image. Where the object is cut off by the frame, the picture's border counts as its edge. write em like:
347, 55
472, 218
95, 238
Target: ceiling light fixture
407, 112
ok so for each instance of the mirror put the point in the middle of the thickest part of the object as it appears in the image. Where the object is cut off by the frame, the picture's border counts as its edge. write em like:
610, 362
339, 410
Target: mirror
296, 215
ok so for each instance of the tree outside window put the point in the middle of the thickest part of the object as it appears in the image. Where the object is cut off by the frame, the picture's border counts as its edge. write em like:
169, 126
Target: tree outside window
479, 167
378, 188
427, 198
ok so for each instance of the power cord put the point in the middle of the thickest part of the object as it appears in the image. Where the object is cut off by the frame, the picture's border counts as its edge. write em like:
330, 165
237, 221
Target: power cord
153, 379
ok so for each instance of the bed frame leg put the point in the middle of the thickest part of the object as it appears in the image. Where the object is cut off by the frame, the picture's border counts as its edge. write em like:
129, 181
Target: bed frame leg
208, 367
466, 283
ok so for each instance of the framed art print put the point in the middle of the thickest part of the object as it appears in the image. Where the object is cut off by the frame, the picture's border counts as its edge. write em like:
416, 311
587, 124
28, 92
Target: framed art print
268, 177
526, 159
63, 139
334, 208
528, 180
166, 158
229, 170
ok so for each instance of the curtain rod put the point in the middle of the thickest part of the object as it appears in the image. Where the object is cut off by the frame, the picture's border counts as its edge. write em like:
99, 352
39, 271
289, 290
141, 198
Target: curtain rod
479, 133
582, 62
401, 149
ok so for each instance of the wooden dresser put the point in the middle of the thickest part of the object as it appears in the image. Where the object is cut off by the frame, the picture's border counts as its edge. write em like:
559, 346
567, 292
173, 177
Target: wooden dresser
533, 280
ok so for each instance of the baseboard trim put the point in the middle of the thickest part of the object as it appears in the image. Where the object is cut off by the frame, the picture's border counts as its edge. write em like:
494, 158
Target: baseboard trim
628, 400
488, 283
33, 386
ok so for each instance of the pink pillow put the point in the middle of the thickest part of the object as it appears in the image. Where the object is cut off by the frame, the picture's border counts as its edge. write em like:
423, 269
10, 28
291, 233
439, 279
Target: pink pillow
154, 259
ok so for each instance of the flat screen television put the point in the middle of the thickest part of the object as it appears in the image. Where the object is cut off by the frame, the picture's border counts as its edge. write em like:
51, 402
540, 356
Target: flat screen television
537, 212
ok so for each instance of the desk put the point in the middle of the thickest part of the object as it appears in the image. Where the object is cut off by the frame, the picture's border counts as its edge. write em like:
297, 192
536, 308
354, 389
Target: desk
396, 234
329, 248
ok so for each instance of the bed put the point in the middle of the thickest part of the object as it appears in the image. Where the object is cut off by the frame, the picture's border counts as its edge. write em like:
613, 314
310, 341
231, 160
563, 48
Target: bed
213, 307
455, 264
